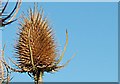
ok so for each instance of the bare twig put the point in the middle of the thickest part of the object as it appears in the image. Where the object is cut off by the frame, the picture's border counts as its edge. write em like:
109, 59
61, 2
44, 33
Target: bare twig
17, 9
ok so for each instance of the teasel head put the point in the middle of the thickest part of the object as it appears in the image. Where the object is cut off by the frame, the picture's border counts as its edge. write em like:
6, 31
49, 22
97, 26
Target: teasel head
36, 49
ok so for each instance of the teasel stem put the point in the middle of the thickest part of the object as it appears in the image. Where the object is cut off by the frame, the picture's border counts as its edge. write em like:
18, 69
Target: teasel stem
38, 77
41, 78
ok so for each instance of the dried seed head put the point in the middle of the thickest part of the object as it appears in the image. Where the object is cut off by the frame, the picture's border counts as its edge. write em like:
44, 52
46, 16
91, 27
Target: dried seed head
36, 41
36, 50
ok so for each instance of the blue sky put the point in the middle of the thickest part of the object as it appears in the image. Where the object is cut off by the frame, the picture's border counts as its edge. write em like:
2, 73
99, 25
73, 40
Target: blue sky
93, 35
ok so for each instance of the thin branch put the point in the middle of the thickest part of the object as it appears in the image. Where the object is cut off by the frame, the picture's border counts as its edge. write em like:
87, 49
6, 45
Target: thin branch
4, 7
10, 13
19, 3
8, 22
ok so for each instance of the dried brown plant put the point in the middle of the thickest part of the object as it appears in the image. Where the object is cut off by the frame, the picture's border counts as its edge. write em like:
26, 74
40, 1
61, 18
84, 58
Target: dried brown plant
36, 50
4, 71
